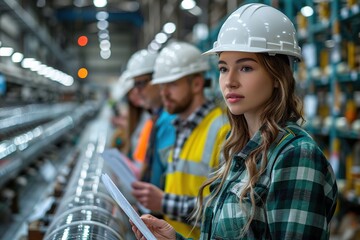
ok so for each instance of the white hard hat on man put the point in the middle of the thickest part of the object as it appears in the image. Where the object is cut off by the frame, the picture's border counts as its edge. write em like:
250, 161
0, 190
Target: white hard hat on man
177, 60
140, 63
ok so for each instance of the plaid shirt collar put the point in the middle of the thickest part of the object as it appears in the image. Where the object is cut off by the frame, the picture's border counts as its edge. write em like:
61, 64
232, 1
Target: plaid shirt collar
195, 118
253, 143
185, 127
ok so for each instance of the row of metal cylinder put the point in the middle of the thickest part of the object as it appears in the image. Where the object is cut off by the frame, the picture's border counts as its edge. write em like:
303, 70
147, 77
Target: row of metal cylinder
86, 210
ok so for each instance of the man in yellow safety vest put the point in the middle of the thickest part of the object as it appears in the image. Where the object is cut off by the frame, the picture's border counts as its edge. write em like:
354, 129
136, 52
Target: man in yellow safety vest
201, 127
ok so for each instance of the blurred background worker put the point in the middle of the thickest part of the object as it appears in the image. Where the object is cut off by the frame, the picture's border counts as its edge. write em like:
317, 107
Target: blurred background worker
201, 127
158, 134
128, 119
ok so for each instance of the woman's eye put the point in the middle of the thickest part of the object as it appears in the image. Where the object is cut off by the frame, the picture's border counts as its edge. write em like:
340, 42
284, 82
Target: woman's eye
246, 69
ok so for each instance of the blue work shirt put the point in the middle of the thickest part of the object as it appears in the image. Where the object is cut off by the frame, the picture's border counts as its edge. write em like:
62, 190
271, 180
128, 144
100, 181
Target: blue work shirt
164, 140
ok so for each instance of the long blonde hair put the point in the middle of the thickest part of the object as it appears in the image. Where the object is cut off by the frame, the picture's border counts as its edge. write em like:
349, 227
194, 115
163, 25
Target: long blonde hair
282, 106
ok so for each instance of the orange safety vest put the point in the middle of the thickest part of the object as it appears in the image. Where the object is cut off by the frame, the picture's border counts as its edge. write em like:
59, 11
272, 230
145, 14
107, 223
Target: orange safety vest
141, 147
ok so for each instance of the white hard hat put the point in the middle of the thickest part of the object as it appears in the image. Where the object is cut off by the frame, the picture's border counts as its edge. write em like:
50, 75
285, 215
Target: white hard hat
140, 63
176, 60
257, 28
125, 84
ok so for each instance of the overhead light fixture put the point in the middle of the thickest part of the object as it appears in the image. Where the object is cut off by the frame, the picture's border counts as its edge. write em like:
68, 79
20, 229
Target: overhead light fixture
43, 70
27, 62
67, 81
17, 57
49, 71
102, 25
35, 66
6, 51
161, 37
100, 3
105, 54
154, 45
40, 68
169, 28
105, 44
103, 34
102, 15
187, 4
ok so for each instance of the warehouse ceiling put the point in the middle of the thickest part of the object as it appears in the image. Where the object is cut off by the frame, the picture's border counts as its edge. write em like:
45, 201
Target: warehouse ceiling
78, 17
127, 20
131, 25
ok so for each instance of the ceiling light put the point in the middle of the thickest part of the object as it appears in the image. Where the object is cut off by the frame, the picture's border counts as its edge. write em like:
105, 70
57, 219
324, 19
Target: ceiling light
105, 54
35, 66
17, 57
154, 45
103, 36
26, 63
188, 4
161, 38
169, 28
102, 15
67, 81
6, 51
102, 25
100, 3
41, 68
105, 44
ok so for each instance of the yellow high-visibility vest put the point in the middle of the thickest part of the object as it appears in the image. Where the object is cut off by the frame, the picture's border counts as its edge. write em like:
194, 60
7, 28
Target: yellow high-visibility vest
199, 156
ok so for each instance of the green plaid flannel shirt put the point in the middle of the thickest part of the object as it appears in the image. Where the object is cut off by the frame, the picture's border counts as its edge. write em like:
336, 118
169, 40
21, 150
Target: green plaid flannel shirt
298, 201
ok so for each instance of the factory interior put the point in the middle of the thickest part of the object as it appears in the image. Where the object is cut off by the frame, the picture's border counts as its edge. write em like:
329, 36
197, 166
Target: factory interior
61, 63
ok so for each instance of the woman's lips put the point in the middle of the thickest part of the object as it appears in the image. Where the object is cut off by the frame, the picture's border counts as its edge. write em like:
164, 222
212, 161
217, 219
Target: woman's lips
233, 97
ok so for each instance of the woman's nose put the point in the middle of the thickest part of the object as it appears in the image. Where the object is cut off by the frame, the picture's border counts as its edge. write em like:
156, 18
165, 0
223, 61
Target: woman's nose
232, 80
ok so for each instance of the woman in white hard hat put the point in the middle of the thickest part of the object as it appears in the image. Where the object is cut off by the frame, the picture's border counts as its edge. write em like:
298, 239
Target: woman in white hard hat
275, 183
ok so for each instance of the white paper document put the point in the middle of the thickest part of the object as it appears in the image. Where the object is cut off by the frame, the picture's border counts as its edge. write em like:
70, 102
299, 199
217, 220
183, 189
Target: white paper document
116, 166
126, 207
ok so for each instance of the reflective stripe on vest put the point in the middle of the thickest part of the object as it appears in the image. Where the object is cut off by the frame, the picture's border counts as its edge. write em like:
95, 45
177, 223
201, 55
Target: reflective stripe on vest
201, 168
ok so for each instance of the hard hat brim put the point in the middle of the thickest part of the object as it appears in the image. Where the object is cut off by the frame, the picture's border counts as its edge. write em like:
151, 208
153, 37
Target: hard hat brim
168, 79
232, 48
